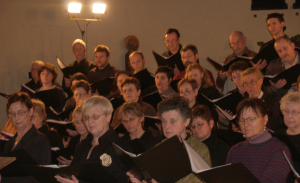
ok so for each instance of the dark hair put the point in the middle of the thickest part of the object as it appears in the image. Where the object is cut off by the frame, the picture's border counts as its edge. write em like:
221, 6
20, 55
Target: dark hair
171, 30
279, 16
192, 82
102, 48
119, 72
298, 80
238, 66
132, 108
257, 105
177, 103
131, 80
81, 84
19, 97
78, 76
165, 69
51, 68
203, 112
137, 52
191, 47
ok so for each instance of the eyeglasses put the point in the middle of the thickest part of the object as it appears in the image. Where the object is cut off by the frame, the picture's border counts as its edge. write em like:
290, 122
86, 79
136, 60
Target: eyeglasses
186, 93
127, 91
172, 42
129, 120
235, 43
79, 95
293, 113
250, 120
86, 118
198, 126
19, 113
250, 83
78, 123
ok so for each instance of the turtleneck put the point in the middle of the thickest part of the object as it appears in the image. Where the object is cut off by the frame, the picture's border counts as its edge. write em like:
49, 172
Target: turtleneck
265, 136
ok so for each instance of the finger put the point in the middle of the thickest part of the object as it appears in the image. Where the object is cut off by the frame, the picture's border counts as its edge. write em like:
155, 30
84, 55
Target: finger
74, 178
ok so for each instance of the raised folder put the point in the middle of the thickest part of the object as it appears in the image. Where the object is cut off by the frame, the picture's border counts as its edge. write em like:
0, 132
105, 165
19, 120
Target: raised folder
169, 61
89, 172
61, 126
153, 99
67, 71
225, 67
5, 95
290, 75
103, 86
4, 161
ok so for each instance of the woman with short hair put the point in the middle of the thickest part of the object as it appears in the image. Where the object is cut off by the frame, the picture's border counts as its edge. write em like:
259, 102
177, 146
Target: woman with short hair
131, 116
96, 115
260, 153
19, 109
188, 89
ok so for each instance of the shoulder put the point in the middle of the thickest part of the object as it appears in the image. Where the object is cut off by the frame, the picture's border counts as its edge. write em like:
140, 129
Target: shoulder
92, 71
71, 64
113, 68
196, 144
228, 58
250, 53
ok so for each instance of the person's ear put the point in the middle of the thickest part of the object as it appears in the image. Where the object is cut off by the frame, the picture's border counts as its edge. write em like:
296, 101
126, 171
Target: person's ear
178, 40
211, 124
282, 24
197, 56
245, 40
170, 80
293, 45
107, 58
266, 119
187, 122
30, 111
108, 118
139, 92
89, 94
260, 81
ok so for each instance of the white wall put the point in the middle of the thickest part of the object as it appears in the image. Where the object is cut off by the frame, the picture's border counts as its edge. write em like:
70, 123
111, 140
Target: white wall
40, 30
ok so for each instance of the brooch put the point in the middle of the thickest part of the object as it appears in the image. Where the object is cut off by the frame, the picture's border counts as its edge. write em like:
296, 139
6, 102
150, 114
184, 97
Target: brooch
106, 159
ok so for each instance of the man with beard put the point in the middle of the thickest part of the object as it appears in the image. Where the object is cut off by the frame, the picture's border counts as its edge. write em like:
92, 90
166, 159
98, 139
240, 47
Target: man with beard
103, 69
288, 57
189, 55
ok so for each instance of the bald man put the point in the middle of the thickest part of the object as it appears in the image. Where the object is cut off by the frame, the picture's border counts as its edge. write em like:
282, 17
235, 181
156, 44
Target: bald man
237, 42
288, 57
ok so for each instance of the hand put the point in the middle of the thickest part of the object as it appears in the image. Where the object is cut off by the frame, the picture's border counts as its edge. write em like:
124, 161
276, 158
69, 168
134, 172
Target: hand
176, 70
72, 133
222, 75
65, 180
279, 84
132, 178
64, 161
121, 134
68, 82
222, 118
260, 64
295, 86
235, 128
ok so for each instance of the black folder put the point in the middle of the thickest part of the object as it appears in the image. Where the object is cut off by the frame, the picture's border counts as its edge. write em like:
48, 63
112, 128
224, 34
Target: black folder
2, 144
67, 71
103, 86
145, 78
4, 161
150, 121
50, 97
14, 169
136, 146
88, 172
159, 162
5, 95
230, 137
231, 173
174, 84
61, 115
116, 102
61, 126
153, 99
169, 61
225, 67
290, 75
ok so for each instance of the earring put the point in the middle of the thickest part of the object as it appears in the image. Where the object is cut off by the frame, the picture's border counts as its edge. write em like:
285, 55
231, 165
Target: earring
244, 135
265, 128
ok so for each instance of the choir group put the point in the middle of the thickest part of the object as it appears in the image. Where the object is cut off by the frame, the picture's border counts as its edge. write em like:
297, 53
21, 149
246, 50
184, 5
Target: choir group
253, 120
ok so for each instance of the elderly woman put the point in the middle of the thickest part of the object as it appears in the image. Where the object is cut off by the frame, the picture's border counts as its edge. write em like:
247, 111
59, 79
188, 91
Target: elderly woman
188, 89
131, 116
48, 76
205, 86
290, 108
20, 109
260, 153
96, 115
38, 119
82, 134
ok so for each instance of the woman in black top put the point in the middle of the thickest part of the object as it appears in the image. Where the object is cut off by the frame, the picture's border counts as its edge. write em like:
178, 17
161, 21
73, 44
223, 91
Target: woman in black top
19, 109
96, 114
131, 116
188, 89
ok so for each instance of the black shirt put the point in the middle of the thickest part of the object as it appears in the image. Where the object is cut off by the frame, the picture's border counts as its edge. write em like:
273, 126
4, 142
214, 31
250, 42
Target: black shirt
116, 168
95, 74
32, 85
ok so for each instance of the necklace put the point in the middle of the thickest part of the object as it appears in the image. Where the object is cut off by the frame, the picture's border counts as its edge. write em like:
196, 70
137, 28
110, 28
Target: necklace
17, 141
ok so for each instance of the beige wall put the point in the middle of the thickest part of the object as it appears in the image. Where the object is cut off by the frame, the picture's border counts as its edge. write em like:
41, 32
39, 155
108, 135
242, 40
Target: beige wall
40, 30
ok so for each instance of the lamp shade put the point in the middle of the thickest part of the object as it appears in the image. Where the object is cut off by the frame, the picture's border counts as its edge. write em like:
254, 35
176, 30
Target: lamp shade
99, 8
74, 8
